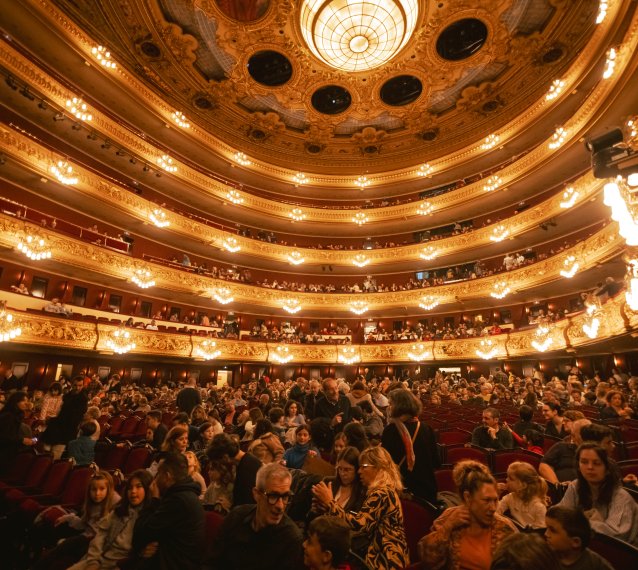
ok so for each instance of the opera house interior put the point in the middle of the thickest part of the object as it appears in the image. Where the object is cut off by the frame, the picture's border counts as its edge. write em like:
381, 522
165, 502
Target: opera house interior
288, 192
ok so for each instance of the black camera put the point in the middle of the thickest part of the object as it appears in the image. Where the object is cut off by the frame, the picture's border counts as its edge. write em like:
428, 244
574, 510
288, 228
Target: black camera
611, 157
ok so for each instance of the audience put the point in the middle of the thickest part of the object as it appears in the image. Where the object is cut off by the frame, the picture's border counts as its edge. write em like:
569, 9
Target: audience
327, 545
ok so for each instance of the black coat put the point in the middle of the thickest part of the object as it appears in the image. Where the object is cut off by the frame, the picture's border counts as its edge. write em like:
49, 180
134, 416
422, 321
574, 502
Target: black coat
177, 523
64, 427
10, 439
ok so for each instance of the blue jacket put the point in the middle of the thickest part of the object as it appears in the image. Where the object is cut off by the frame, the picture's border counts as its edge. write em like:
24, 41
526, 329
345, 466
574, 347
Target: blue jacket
295, 456
82, 450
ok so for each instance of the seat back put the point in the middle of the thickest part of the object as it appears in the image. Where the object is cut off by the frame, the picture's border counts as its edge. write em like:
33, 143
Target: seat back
115, 458
38, 471
444, 481
138, 458
618, 553
213, 522
56, 478
75, 487
454, 436
456, 454
19, 468
417, 522
503, 459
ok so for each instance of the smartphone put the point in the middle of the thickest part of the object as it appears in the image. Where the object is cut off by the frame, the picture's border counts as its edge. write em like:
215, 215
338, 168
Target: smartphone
34, 439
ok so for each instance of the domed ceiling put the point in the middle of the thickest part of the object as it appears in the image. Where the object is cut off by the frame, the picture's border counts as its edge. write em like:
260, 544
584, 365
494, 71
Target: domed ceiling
334, 86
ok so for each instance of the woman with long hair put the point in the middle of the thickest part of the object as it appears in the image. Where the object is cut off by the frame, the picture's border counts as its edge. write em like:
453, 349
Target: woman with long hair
380, 516
468, 535
52, 402
411, 444
598, 491
13, 435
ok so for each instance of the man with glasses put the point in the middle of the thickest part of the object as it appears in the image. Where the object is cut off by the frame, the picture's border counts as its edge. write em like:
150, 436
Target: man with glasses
261, 536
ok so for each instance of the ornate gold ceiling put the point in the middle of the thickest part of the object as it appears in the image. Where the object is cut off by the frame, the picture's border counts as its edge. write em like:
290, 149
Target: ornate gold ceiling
197, 54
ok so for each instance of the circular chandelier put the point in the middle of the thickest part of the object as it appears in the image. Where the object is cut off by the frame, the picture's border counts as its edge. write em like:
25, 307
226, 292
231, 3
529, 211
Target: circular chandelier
357, 35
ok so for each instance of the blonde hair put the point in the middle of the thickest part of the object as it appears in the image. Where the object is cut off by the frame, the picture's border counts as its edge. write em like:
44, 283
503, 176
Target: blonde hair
196, 465
388, 474
535, 485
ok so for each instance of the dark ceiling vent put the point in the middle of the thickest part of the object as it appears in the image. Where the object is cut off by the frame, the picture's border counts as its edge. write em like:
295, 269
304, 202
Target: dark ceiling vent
331, 100
401, 90
270, 68
462, 39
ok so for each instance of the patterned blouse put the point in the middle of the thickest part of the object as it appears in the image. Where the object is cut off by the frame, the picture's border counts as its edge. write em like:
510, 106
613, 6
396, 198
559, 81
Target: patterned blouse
440, 548
381, 519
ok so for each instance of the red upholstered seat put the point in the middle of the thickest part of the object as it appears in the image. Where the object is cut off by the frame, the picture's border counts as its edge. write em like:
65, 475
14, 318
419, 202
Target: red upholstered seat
417, 521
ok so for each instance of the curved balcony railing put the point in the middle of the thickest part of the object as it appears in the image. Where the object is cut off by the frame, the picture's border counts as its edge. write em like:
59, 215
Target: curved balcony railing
50, 331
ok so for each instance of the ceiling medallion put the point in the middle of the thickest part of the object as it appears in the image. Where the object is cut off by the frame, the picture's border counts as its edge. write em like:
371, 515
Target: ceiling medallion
357, 35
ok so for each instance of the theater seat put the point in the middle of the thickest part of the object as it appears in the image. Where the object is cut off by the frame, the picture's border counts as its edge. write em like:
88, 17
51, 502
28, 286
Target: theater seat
418, 517
618, 553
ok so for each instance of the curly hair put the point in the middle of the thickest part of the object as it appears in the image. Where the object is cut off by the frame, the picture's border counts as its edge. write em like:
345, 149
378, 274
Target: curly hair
470, 475
535, 485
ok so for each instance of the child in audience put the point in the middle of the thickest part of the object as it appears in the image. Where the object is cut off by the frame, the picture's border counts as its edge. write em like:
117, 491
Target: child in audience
296, 455
114, 536
568, 533
77, 530
327, 545
219, 494
194, 470
526, 498
82, 449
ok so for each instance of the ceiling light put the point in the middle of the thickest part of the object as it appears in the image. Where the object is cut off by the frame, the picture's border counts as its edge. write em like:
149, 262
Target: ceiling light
291, 306
419, 353
166, 162
8, 328
297, 215
500, 290
281, 355
610, 64
558, 138
424, 170
208, 350
542, 338
488, 349
425, 208
360, 260
632, 127
357, 35
603, 6
358, 307
63, 171
104, 57
490, 141
231, 244
295, 257
34, 247
180, 120
619, 199
158, 217
360, 218
235, 197
348, 355
241, 158
591, 326
222, 295
499, 233
120, 341
429, 253
569, 198
143, 278
300, 179
492, 183
78, 109
362, 182
428, 303
570, 267
555, 89
632, 179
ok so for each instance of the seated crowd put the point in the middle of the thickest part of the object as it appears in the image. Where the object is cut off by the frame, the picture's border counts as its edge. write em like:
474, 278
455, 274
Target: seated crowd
317, 474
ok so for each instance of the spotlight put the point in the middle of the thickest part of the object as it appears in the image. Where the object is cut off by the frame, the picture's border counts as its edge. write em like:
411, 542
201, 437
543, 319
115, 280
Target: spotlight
610, 157
58, 117
76, 126
3, 159
43, 105
11, 82
26, 93
146, 168
91, 136
120, 152
133, 160
106, 144
158, 174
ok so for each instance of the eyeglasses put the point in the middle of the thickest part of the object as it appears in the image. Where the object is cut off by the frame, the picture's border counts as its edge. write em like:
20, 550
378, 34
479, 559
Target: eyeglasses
366, 465
272, 498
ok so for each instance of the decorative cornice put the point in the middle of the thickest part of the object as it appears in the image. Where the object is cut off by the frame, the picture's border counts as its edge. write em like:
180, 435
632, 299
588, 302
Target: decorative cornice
50, 331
